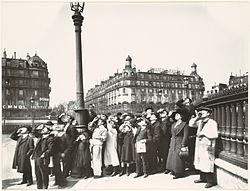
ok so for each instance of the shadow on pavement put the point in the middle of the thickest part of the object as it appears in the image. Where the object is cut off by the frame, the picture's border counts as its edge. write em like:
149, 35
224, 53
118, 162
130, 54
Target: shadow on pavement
10, 182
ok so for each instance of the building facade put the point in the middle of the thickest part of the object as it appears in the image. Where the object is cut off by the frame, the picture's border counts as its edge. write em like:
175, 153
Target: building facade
25, 87
133, 91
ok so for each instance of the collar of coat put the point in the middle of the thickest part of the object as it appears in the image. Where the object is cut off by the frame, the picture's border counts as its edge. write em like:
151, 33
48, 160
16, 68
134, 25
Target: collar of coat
180, 126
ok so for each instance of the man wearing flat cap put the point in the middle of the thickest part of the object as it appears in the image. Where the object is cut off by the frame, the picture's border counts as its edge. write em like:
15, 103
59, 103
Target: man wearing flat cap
206, 136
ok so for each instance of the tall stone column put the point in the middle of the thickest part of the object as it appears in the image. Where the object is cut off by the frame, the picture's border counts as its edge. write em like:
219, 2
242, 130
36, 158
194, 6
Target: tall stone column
81, 113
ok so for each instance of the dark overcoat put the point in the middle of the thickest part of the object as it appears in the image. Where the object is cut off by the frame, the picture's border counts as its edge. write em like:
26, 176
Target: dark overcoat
82, 154
128, 147
165, 138
179, 138
24, 149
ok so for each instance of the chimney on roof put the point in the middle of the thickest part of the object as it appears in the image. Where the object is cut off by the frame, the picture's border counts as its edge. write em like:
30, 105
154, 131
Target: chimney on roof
14, 55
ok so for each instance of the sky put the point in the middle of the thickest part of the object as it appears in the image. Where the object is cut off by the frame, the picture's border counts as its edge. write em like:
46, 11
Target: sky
165, 34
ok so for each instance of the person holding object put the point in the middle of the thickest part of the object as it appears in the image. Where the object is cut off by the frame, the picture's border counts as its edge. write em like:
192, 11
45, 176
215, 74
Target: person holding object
142, 137
24, 149
206, 136
179, 131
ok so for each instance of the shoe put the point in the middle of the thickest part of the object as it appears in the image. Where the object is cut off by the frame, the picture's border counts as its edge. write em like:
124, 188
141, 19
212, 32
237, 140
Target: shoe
199, 181
113, 174
145, 176
209, 185
122, 173
176, 177
137, 175
85, 177
29, 184
21, 183
166, 171
95, 177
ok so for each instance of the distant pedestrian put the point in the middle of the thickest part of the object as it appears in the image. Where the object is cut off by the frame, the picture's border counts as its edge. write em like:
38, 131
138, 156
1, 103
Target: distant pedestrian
206, 136
24, 149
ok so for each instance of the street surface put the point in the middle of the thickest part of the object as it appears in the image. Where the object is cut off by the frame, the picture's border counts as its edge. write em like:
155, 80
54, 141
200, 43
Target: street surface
160, 181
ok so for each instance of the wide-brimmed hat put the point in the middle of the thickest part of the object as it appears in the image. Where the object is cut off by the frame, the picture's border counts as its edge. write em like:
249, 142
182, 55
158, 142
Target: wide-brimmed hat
182, 112
204, 108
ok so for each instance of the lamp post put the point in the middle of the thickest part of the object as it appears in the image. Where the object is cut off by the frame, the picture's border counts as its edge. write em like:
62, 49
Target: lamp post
81, 113
32, 100
186, 85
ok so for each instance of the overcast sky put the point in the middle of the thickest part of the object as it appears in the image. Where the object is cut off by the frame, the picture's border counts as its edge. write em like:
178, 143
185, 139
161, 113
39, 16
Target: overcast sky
170, 35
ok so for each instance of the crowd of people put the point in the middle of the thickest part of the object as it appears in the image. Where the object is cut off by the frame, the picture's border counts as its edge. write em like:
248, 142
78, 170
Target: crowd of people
117, 145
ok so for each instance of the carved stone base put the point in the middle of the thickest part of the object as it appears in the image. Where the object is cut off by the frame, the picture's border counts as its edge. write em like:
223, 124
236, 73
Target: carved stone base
230, 176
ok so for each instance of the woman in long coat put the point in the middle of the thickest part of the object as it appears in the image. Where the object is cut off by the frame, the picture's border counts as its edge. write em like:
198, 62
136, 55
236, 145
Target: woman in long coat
128, 147
82, 158
110, 153
179, 131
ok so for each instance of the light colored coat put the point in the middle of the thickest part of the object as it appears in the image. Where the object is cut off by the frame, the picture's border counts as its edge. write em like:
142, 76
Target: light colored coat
99, 136
205, 145
110, 153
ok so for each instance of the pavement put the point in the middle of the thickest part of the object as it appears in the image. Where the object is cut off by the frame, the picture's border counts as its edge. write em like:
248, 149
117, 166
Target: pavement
160, 181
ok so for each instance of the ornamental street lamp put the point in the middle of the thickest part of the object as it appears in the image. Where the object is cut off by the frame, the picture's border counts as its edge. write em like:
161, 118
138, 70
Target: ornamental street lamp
81, 113
186, 85
32, 100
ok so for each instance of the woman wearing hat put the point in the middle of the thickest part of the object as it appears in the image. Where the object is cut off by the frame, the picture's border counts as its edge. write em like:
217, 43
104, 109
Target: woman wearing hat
179, 131
206, 136
99, 136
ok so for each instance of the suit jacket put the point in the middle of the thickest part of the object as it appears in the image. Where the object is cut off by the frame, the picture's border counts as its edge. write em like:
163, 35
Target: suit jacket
44, 146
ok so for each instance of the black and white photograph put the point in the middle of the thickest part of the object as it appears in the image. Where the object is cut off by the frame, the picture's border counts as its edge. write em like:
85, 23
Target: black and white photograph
124, 95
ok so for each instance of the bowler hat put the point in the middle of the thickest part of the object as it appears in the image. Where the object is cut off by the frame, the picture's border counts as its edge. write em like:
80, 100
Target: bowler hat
49, 123
204, 108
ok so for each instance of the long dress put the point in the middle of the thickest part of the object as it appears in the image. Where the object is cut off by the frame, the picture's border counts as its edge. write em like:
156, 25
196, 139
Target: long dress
110, 153
179, 138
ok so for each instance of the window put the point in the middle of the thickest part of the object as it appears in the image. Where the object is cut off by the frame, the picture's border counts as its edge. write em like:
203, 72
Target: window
20, 82
36, 92
20, 102
35, 73
20, 72
146, 83
20, 92
7, 92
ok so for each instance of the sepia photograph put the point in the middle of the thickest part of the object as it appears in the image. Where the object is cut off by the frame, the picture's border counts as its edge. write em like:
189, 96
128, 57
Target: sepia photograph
124, 95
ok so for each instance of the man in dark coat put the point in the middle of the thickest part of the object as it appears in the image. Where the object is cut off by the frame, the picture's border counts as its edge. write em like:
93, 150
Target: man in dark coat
155, 143
24, 149
68, 138
41, 155
165, 138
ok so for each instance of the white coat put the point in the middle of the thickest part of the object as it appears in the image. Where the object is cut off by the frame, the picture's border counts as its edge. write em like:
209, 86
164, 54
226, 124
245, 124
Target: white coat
110, 153
205, 145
